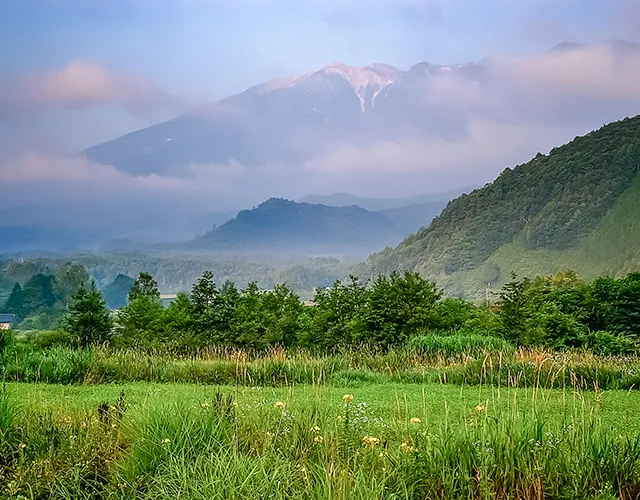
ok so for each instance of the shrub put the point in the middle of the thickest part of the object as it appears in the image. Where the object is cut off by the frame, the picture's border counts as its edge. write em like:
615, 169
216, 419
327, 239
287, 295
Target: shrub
610, 344
46, 339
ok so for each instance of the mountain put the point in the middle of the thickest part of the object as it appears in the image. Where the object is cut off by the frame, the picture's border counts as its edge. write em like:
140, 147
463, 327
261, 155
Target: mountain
291, 227
294, 120
577, 207
413, 217
376, 204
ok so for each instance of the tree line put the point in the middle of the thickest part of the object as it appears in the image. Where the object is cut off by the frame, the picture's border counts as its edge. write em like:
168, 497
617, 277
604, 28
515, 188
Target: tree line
559, 311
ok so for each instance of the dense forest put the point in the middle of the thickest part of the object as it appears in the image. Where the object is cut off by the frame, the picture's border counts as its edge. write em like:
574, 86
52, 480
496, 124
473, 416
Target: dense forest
176, 272
556, 208
557, 311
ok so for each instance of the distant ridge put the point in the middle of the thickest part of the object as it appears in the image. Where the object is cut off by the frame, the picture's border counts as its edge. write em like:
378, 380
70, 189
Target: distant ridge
289, 226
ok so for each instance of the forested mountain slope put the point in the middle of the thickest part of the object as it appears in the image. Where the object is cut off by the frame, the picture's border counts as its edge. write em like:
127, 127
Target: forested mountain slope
575, 207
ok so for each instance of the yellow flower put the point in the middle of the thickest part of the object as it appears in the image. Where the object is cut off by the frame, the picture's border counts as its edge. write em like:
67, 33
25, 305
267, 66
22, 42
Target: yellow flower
205, 405
339, 418
415, 420
315, 428
347, 398
407, 448
370, 441
22, 446
166, 441
279, 405
479, 408
318, 439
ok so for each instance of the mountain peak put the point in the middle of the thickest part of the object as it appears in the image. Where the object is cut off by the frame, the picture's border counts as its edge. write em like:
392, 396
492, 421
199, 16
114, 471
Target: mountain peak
613, 44
366, 81
565, 46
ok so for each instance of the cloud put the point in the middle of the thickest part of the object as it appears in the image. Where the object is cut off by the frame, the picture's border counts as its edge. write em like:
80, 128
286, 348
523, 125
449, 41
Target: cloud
82, 84
33, 166
598, 72
431, 164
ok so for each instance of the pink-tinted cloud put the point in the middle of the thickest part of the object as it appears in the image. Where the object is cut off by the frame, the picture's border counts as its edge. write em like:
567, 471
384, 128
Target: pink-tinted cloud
82, 84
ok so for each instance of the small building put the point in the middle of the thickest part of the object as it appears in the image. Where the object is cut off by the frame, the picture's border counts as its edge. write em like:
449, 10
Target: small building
167, 298
6, 320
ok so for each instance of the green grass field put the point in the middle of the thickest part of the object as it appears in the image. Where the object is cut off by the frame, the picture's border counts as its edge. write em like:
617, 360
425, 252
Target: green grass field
410, 441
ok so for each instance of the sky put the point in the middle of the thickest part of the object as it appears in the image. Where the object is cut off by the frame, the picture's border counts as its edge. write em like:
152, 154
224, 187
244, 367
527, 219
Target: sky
75, 73
205, 50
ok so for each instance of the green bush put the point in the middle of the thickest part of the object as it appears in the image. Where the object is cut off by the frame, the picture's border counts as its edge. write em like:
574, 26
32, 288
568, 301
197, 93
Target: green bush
46, 339
610, 344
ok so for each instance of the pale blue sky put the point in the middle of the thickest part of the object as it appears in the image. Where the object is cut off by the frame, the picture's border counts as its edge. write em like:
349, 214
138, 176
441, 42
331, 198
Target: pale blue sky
74, 73
213, 48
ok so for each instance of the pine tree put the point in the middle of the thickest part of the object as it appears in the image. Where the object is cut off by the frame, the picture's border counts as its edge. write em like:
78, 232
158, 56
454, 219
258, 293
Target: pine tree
88, 319
15, 303
145, 286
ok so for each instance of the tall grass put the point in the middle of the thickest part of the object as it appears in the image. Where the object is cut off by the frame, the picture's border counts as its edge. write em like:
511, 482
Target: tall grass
450, 360
219, 449
456, 346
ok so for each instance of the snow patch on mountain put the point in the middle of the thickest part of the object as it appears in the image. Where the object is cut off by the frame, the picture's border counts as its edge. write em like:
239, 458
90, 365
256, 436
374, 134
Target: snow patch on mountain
367, 82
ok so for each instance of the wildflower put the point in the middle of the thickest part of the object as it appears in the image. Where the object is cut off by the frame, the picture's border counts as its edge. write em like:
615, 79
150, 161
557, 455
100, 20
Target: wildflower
407, 448
370, 441
279, 405
381, 455
415, 420
22, 446
339, 418
84, 425
205, 405
318, 439
166, 441
479, 408
347, 398
315, 428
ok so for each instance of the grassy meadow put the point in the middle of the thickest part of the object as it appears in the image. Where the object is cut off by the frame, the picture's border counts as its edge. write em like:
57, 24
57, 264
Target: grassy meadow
298, 426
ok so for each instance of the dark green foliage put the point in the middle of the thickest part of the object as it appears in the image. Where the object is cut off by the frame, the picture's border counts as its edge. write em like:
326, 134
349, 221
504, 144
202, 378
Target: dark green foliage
551, 202
338, 316
563, 311
140, 323
88, 320
210, 318
38, 293
399, 307
144, 286
43, 299
453, 314
514, 309
68, 279
15, 303
46, 339
116, 292
557, 311
611, 344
